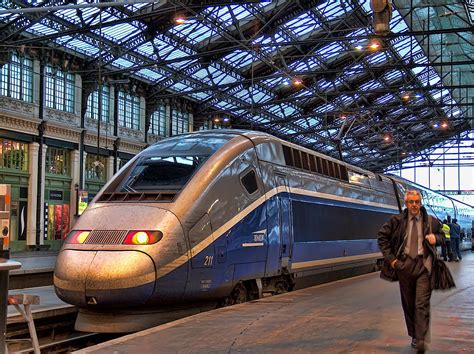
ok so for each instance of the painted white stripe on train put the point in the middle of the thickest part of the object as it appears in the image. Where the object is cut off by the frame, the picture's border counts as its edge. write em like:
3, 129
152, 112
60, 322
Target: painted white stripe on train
329, 261
237, 218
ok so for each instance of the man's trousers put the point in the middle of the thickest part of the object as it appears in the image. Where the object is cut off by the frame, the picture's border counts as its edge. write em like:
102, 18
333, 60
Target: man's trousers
415, 291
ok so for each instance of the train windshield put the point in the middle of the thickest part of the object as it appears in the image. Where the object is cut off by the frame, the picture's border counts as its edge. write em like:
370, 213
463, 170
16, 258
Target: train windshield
170, 164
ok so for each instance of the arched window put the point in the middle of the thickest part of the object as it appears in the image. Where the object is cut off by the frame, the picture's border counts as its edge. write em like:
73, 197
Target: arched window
60, 89
16, 79
158, 122
179, 122
93, 105
128, 110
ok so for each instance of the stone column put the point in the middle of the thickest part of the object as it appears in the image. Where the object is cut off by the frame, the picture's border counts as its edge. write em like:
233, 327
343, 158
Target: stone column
169, 126
110, 167
42, 192
190, 122
33, 149
84, 159
75, 175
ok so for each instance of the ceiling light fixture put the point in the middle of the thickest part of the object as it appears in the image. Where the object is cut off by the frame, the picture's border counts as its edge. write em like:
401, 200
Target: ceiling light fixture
179, 20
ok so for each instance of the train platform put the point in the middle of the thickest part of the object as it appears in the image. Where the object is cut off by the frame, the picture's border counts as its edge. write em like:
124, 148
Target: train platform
50, 305
36, 269
356, 315
34, 262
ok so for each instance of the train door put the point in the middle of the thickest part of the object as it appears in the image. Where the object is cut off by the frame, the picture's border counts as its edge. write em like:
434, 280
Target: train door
284, 219
5, 200
202, 232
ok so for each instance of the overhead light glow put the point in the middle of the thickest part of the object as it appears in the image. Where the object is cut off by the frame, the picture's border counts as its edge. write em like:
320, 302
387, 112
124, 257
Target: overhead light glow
180, 20
444, 125
297, 82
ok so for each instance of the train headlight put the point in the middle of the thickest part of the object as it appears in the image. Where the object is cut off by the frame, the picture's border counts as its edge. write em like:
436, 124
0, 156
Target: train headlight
142, 237
77, 236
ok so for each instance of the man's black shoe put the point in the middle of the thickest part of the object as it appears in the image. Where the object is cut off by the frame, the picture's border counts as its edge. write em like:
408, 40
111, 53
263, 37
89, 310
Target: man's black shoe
413, 342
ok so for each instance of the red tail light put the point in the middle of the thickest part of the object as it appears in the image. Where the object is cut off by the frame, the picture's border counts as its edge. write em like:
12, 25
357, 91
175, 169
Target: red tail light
139, 237
77, 236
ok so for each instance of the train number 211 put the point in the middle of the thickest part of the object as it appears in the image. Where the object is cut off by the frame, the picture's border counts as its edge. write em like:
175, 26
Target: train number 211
208, 261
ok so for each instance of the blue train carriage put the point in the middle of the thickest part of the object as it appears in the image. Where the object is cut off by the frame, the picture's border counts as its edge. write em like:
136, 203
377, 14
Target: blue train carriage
222, 216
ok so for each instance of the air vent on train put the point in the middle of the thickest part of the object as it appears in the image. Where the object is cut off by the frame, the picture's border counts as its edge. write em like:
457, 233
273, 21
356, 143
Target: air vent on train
137, 197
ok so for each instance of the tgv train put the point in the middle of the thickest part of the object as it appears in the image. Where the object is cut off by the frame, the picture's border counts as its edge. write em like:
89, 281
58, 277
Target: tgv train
222, 216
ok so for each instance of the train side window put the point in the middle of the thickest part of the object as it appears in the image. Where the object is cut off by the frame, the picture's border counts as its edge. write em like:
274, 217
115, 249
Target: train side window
319, 164
297, 158
344, 174
312, 165
337, 172
324, 162
304, 157
249, 181
288, 156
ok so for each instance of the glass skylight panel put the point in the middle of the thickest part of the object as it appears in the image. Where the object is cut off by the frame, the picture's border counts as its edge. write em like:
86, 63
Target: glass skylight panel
78, 45
276, 81
377, 58
118, 32
41, 29
122, 63
225, 105
324, 84
239, 58
304, 93
180, 87
266, 44
201, 96
325, 107
392, 75
306, 65
163, 48
332, 10
354, 41
302, 25
330, 51
384, 99
226, 14
149, 74
147, 50
193, 30
370, 85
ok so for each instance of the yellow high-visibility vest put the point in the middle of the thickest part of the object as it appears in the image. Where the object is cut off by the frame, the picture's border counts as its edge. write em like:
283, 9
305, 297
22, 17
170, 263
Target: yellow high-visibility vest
446, 230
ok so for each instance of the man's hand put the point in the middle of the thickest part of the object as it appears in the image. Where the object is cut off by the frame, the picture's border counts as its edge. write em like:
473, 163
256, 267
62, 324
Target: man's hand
392, 264
431, 238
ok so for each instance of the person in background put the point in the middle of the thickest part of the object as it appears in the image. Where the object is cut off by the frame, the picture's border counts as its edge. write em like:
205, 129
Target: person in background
455, 239
407, 242
446, 249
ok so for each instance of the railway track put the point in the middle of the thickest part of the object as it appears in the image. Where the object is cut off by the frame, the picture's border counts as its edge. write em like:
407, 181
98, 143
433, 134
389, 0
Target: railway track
56, 335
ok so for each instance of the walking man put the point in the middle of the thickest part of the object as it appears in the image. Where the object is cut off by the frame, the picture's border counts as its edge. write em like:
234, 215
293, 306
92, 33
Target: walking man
408, 242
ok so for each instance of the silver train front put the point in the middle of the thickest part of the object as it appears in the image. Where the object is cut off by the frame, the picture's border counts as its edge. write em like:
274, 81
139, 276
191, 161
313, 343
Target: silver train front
104, 273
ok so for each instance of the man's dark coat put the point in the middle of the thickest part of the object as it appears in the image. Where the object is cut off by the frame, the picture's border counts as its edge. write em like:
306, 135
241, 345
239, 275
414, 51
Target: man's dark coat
392, 237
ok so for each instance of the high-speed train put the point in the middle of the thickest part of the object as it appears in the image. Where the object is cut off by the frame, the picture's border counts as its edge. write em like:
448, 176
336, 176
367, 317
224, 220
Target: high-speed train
224, 216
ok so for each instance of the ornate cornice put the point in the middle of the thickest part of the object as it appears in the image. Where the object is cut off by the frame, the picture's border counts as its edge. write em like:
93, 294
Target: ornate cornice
17, 108
105, 142
21, 125
62, 132
62, 117
131, 148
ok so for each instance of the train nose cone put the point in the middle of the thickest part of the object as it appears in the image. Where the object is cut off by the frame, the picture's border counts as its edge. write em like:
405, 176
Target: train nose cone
104, 278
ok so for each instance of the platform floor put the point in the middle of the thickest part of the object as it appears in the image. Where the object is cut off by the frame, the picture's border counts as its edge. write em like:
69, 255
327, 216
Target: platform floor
34, 262
357, 315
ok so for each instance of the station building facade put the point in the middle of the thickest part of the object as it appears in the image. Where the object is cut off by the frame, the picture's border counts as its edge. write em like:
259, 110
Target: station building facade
60, 138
